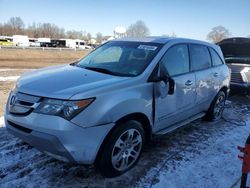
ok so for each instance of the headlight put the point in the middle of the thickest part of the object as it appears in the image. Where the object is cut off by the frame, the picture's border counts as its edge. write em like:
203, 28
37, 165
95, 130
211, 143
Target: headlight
63, 108
245, 70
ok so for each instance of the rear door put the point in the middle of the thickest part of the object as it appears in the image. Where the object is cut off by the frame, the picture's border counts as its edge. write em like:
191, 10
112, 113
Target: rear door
179, 106
201, 65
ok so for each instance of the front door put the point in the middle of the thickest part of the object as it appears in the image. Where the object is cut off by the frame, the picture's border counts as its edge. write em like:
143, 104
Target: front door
178, 106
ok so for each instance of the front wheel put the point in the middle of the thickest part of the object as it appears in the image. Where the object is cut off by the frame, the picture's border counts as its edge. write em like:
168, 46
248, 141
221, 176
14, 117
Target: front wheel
122, 149
215, 110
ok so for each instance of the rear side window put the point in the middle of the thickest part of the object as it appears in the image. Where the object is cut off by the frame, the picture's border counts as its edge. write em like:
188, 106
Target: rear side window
176, 60
215, 58
200, 57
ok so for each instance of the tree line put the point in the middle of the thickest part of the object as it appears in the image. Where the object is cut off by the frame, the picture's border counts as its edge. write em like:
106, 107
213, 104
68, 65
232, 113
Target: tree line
16, 26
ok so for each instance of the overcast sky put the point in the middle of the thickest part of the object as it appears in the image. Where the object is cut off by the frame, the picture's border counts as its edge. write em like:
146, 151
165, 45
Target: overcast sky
186, 18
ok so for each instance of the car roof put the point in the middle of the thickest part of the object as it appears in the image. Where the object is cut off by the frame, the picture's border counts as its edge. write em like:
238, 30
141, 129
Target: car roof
162, 40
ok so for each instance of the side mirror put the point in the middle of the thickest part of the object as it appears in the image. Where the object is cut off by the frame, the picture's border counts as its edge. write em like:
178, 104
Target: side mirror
164, 76
171, 86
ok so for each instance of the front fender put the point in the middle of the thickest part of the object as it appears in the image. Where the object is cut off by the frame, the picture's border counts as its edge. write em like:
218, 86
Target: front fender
130, 106
113, 105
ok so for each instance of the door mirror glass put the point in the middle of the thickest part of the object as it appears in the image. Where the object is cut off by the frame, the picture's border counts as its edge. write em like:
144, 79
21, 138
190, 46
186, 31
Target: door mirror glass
161, 89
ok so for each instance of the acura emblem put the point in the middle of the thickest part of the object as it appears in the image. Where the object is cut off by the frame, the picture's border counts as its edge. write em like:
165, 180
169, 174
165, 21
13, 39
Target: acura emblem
12, 100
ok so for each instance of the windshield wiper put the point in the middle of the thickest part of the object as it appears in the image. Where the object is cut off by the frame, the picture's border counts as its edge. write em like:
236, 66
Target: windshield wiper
105, 71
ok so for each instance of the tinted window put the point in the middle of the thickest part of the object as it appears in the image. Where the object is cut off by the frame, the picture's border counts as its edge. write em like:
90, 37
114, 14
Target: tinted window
200, 57
215, 58
176, 60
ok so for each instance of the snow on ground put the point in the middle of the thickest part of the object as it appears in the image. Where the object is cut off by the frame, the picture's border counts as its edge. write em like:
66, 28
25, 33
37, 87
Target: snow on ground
2, 122
215, 166
8, 78
214, 163
7, 69
203, 154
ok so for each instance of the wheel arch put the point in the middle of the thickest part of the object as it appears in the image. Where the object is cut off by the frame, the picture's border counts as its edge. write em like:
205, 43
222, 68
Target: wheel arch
140, 117
225, 90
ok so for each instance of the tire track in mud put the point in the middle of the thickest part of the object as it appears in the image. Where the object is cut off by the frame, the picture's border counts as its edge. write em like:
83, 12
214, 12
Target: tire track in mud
23, 166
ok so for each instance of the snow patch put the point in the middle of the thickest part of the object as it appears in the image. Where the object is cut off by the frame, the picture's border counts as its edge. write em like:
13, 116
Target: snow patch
4, 70
2, 122
9, 78
216, 166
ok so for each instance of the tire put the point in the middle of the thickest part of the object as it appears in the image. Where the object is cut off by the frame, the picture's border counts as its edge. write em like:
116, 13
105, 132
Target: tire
119, 154
216, 108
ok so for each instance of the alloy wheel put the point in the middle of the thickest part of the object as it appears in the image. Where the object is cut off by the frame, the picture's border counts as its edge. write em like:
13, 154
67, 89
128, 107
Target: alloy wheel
126, 150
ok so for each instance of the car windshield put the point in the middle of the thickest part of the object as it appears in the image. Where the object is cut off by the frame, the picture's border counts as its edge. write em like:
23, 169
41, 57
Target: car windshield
121, 58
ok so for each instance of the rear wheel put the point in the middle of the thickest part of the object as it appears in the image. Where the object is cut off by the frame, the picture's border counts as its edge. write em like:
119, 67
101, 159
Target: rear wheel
215, 111
122, 149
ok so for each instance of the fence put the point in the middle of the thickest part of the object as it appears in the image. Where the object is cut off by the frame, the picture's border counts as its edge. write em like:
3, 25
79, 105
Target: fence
42, 48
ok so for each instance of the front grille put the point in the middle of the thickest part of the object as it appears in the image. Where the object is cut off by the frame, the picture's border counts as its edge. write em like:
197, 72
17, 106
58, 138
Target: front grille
22, 104
236, 77
20, 128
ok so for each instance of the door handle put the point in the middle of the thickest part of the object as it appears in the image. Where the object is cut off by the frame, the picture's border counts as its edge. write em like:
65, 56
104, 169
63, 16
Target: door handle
188, 83
216, 74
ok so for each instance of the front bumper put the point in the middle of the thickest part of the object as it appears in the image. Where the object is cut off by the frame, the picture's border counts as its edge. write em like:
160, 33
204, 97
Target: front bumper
58, 137
240, 87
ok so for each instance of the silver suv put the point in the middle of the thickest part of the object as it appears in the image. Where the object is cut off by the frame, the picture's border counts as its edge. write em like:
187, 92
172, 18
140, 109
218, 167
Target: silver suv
101, 109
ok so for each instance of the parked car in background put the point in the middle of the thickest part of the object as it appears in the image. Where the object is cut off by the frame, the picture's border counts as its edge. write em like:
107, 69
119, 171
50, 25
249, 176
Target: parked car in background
102, 109
34, 43
237, 56
47, 44
58, 43
5, 42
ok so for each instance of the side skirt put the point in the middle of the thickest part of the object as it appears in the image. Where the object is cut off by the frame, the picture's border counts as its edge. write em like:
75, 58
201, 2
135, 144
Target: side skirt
178, 125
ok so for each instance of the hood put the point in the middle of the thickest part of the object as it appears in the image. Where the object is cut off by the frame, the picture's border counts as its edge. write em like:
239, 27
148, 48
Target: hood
235, 47
63, 81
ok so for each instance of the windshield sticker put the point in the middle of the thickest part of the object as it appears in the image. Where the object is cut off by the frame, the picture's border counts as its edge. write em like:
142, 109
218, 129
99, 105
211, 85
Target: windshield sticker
146, 47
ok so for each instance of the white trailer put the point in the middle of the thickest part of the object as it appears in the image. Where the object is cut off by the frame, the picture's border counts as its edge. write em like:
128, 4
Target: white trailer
80, 44
43, 40
21, 40
70, 43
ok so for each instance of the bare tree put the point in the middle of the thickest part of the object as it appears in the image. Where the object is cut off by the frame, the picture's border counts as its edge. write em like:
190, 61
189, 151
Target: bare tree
4, 29
217, 34
16, 25
99, 37
89, 36
138, 29
32, 30
170, 35
75, 34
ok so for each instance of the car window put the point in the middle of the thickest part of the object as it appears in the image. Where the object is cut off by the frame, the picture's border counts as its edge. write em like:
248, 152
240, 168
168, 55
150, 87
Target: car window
176, 60
200, 57
215, 58
111, 54
121, 58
